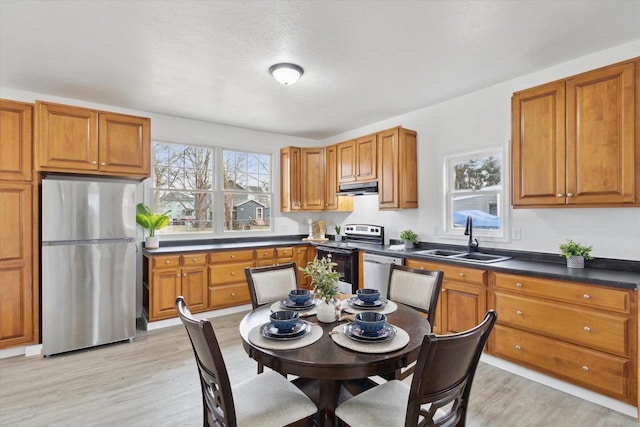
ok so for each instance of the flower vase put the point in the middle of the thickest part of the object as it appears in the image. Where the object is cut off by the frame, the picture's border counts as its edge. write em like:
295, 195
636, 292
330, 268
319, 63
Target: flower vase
326, 312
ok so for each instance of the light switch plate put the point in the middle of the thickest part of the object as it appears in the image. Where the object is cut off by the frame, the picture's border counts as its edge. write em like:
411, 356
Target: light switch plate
515, 234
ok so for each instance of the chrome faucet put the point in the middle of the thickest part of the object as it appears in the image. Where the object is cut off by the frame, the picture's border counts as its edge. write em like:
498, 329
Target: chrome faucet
468, 231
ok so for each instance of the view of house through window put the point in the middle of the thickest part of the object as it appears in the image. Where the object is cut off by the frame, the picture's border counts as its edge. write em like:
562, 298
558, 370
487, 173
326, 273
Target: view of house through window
201, 195
474, 188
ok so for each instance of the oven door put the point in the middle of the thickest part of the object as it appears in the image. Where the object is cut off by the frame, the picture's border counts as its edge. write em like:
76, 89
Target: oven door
347, 267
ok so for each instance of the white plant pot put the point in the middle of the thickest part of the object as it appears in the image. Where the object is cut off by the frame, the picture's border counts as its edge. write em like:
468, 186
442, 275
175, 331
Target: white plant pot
326, 312
152, 242
575, 262
338, 237
408, 244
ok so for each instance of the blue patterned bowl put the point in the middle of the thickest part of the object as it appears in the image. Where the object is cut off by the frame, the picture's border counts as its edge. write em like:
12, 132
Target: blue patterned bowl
284, 321
300, 296
367, 295
370, 322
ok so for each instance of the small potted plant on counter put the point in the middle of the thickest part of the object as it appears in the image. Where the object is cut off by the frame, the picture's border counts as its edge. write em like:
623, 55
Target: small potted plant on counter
152, 222
575, 253
409, 237
338, 235
324, 279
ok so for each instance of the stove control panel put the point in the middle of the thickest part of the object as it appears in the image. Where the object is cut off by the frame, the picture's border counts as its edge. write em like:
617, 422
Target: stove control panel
364, 230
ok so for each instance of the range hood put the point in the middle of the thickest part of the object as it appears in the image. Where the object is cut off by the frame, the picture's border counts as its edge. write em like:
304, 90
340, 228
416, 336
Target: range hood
358, 189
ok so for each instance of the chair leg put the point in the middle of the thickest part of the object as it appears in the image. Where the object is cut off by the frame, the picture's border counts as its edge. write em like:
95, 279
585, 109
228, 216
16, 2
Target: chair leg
260, 368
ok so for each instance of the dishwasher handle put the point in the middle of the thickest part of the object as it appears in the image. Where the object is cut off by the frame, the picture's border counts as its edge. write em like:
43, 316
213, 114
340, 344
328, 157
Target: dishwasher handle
381, 259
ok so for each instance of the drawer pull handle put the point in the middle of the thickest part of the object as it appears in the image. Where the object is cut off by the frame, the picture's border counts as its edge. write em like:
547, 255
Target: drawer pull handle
94, 162
266, 253
461, 274
103, 164
233, 273
178, 275
518, 347
519, 285
233, 294
233, 257
587, 329
586, 296
184, 275
559, 195
195, 260
519, 313
569, 194
167, 262
585, 368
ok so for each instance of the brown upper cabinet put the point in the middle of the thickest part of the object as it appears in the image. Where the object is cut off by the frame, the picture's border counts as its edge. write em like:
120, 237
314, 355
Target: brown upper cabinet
332, 201
312, 174
290, 179
80, 140
397, 169
574, 142
15, 140
357, 159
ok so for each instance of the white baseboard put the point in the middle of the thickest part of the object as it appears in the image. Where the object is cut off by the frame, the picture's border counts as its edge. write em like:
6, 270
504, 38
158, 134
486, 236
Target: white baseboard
150, 326
563, 386
28, 350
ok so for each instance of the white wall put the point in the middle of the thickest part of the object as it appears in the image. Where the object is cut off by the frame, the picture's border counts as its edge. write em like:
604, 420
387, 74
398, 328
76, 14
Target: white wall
480, 119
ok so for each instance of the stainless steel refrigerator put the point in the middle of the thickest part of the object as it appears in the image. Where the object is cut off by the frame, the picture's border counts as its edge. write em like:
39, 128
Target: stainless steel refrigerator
88, 263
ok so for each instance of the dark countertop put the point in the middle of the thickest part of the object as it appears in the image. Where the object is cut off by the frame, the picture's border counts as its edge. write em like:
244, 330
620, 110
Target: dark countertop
615, 273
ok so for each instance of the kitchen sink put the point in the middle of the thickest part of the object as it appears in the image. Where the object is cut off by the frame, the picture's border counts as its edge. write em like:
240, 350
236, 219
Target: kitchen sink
468, 256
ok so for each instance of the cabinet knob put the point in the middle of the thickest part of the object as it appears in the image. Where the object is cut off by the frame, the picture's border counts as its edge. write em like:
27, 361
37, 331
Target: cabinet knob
233, 257
586, 296
559, 195
167, 262
233, 294
178, 275
443, 290
519, 284
266, 253
184, 275
103, 164
587, 329
518, 347
94, 162
461, 274
569, 194
519, 313
195, 260
585, 368
233, 273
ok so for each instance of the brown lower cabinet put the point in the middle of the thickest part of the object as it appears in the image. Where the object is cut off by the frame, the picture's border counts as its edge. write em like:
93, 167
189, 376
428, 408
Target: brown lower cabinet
210, 280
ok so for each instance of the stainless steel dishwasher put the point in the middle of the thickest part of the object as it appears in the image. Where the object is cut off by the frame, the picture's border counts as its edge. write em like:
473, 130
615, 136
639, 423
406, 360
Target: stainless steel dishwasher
376, 271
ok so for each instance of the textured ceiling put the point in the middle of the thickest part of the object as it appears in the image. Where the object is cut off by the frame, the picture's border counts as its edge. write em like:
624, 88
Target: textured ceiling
364, 61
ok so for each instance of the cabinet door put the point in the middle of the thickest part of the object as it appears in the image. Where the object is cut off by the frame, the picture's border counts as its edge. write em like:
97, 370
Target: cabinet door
366, 158
15, 140
312, 178
124, 143
331, 177
195, 288
388, 185
538, 146
346, 162
165, 287
16, 289
600, 136
463, 306
290, 179
67, 138
304, 254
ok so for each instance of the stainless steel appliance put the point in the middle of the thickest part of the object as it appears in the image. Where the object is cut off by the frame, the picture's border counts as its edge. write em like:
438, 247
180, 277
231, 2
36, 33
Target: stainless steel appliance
88, 263
376, 271
345, 252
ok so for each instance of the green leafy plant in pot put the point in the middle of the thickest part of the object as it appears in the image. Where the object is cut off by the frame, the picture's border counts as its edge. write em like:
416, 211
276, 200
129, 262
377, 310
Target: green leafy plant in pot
324, 279
575, 253
409, 237
337, 228
146, 218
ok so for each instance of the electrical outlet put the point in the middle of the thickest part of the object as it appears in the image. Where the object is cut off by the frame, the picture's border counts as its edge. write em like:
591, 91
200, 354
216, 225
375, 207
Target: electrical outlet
515, 234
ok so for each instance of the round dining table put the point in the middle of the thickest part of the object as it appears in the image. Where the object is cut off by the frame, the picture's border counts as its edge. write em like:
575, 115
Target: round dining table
328, 364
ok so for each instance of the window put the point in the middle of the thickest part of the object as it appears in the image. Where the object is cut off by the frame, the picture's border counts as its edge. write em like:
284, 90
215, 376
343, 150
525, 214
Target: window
202, 195
474, 186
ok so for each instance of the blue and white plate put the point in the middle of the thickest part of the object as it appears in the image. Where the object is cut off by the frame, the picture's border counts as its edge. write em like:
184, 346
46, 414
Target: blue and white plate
290, 305
354, 332
269, 331
358, 304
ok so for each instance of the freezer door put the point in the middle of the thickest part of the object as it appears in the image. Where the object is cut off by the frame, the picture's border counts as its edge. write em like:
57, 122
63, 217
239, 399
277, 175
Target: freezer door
88, 295
87, 210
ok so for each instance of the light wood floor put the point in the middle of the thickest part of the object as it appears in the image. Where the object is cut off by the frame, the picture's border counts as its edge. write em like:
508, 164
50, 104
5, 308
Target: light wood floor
153, 382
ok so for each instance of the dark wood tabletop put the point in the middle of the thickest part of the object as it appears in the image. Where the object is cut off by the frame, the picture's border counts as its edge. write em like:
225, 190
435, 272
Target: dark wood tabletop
332, 364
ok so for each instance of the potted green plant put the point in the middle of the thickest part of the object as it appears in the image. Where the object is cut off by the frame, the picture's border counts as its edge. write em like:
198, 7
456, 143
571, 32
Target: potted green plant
324, 279
575, 253
338, 235
409, 237
146, 218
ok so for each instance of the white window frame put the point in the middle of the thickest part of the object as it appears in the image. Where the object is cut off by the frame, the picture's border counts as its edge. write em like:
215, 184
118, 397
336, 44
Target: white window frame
218, 194
451, 232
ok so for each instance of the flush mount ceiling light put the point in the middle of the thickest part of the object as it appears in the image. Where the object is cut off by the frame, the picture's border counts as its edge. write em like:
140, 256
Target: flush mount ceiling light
285, 73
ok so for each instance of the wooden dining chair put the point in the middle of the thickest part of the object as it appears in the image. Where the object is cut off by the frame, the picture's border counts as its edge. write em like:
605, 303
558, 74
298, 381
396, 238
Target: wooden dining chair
272, 283
265, 400
439, 391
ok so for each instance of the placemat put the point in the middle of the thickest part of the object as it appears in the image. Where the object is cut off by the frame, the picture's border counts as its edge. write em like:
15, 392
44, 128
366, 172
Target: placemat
303, 313
389, 308
401, 339
256, 338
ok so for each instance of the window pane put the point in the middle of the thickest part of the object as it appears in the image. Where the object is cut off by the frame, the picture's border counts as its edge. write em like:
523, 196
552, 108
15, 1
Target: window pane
243, 212
477, 173
482, 208
190, 212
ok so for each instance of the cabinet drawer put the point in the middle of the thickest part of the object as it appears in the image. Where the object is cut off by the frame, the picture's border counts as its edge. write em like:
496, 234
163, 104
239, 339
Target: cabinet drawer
230, 256
226, 274
165, 261
452, 272
263, 254
284, 253
194, 259
597, 371
264, 263
601, 331
229, 295
586, 295
280, 261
